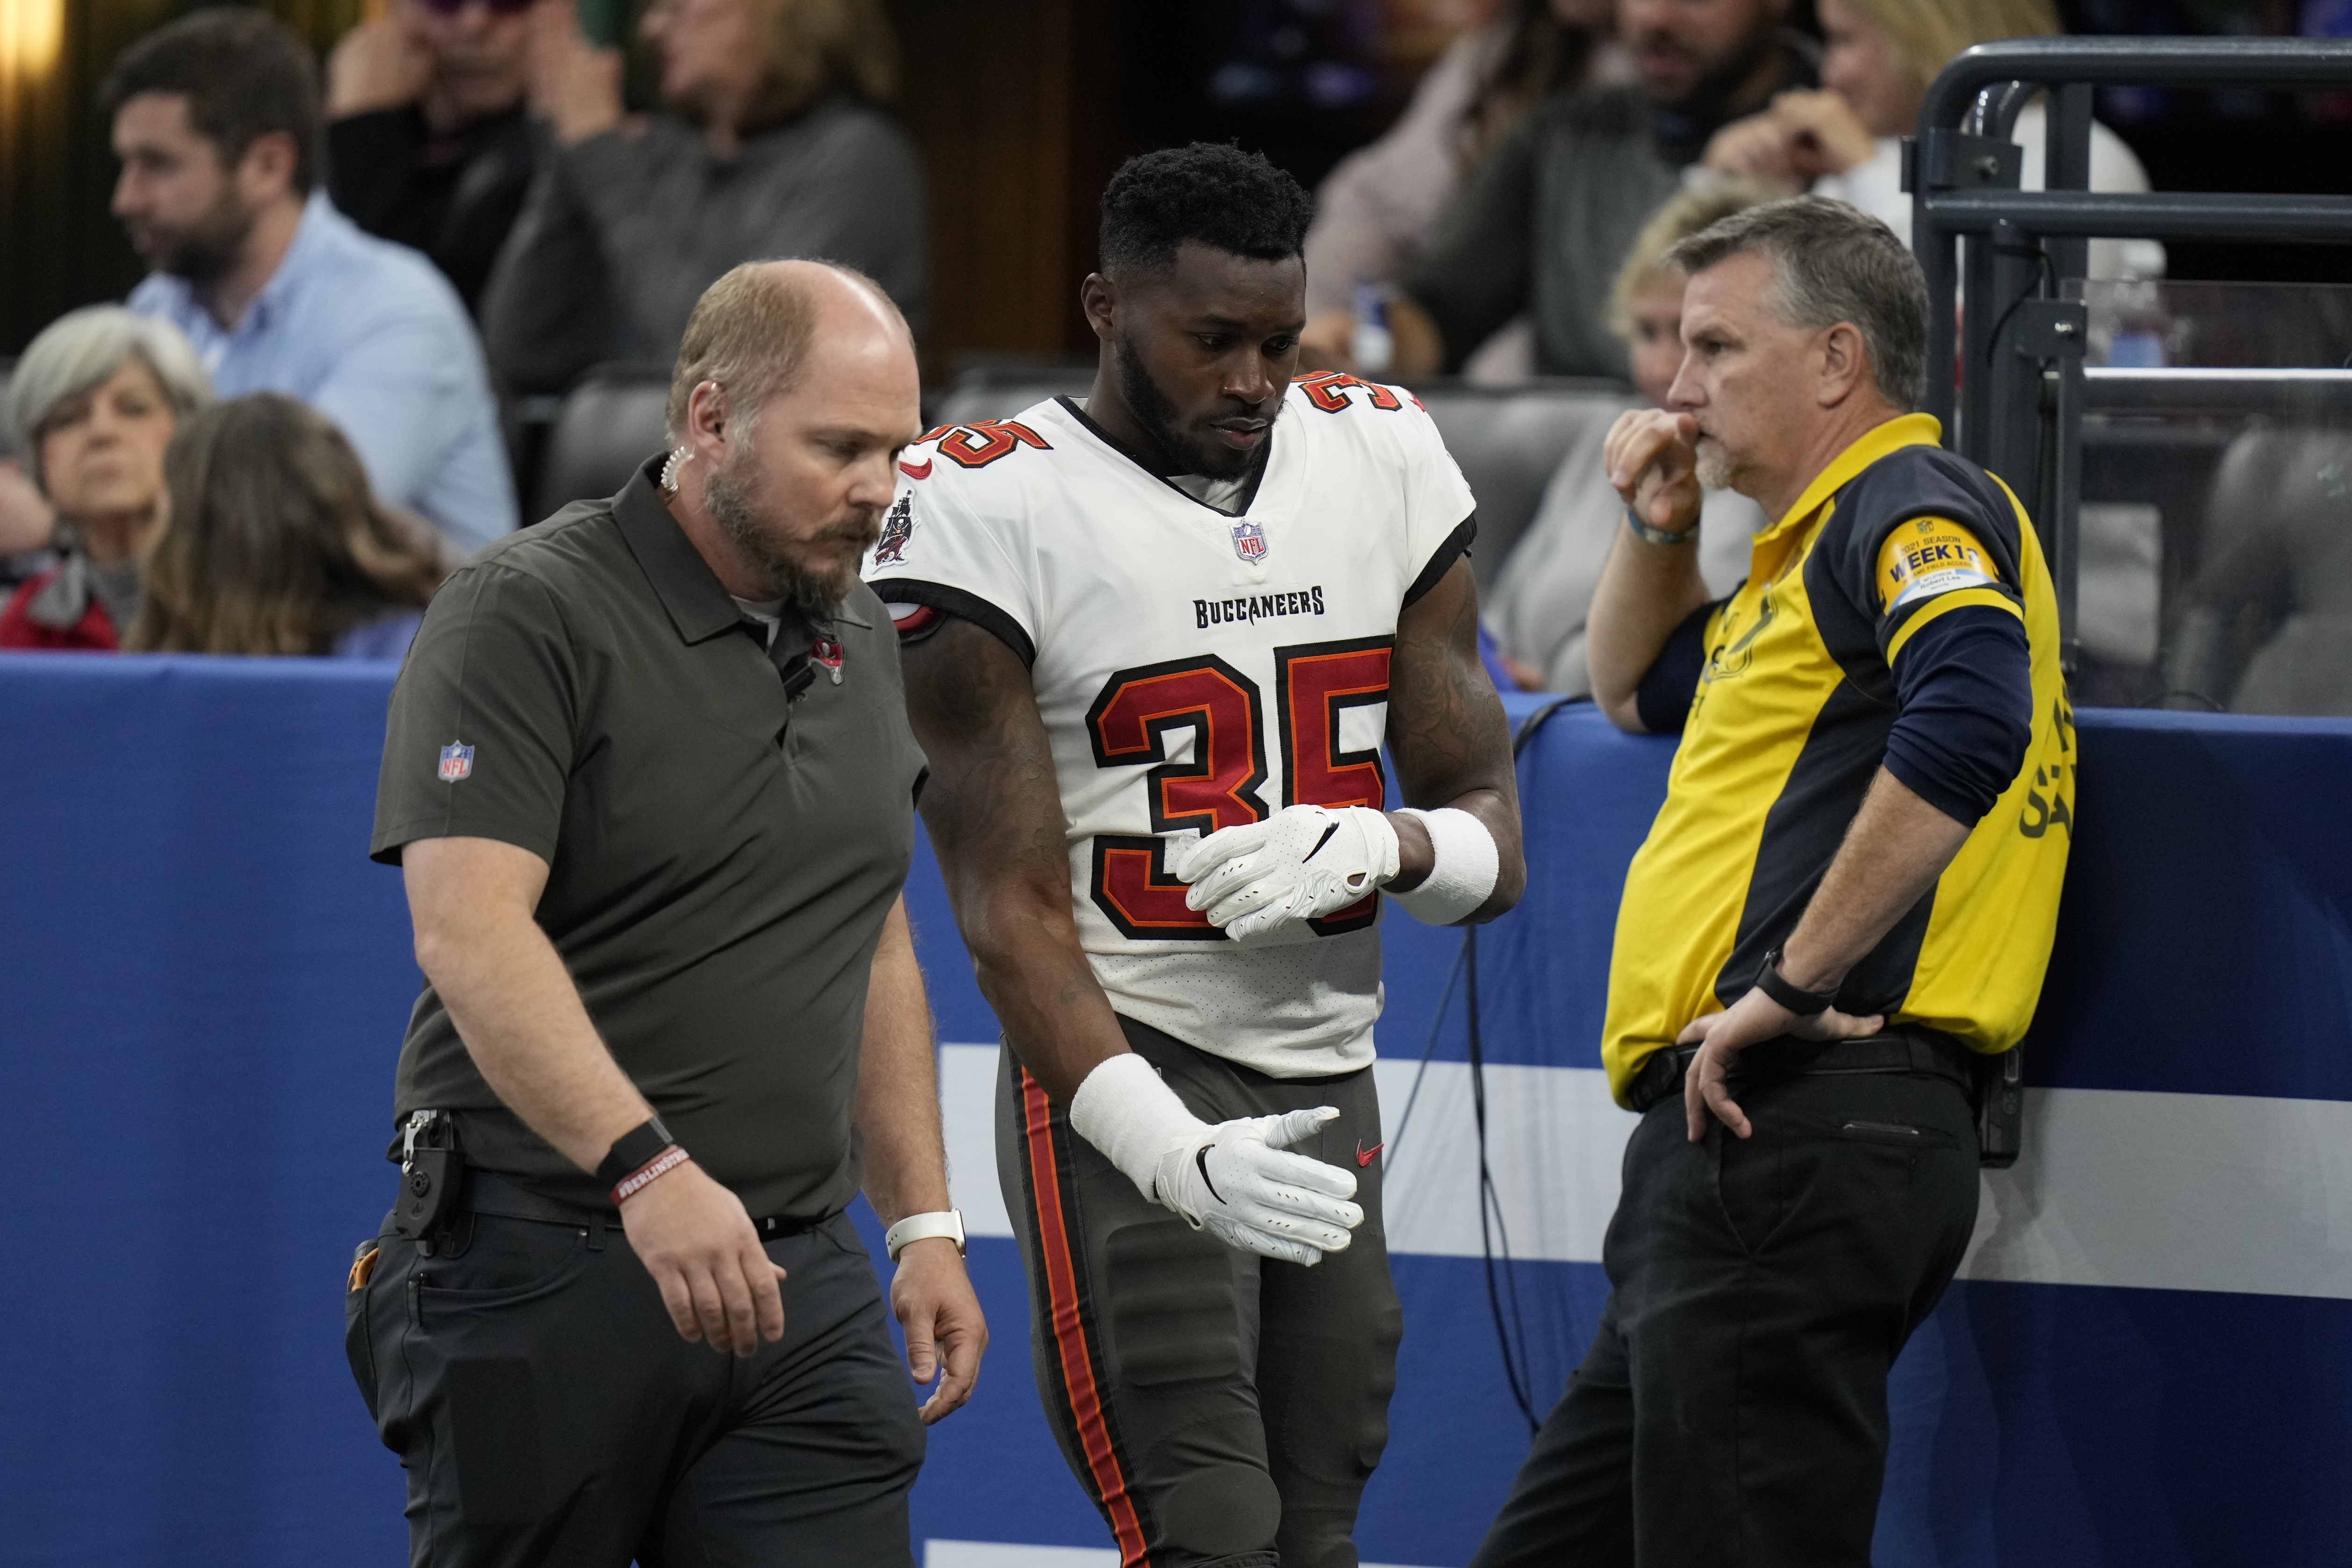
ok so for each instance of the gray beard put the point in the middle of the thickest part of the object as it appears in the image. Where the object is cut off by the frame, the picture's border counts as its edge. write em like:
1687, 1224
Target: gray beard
733, 501
1716, 470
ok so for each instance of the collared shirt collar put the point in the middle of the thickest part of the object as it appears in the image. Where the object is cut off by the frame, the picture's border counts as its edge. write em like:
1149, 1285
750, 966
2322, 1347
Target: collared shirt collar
1904, 430
700, 605
303, 253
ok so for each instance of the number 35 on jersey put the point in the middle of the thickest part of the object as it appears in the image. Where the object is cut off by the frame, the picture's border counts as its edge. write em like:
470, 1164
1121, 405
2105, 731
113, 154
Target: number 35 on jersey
1142, 717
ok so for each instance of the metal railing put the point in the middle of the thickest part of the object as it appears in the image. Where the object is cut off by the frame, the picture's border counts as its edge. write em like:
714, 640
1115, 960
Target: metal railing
2005, 373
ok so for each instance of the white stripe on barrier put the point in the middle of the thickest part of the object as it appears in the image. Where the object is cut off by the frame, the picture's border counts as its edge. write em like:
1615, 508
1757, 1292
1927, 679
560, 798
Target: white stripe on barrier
2169, 1191
967, 1115
2174, 1191
999, 1554
1554, 1142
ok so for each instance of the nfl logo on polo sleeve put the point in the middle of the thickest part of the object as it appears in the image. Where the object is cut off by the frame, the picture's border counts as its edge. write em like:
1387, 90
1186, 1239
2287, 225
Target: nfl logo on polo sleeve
456, 762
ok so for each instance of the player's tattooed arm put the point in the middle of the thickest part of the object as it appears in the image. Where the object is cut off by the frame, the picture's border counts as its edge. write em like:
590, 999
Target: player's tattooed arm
1448, 737
993, 809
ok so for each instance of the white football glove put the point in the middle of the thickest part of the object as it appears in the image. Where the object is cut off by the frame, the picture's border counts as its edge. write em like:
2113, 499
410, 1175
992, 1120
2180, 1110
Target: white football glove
1233, 1180
1300, 863
1243, 1187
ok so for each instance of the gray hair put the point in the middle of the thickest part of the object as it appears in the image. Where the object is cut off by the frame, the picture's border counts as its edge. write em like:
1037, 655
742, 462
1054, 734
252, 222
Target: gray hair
1832, 263
79, 351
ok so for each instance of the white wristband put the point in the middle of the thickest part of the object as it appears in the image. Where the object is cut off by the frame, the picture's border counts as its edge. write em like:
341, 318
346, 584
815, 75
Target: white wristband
1463, 874
1123, 1109
915, 1228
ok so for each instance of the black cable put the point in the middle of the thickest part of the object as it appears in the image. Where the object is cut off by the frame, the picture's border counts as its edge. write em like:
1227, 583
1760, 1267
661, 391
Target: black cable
1428, 1050
2048, 281
1491, 1225
1490, 1204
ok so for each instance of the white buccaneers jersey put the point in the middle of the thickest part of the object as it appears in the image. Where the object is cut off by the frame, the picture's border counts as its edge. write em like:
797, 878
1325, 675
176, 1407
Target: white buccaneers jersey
1196, 670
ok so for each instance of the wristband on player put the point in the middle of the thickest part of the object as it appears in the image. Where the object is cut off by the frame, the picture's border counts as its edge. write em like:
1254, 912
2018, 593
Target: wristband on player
637, 1157
1660, 535
1462, 873
1126, 1111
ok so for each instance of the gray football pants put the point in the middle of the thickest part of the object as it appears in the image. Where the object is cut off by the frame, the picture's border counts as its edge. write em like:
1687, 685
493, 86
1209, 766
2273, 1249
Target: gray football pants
1222, 1410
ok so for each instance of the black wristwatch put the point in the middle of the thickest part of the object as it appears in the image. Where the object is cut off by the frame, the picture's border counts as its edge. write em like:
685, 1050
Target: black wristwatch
633, 1151
1803, 1003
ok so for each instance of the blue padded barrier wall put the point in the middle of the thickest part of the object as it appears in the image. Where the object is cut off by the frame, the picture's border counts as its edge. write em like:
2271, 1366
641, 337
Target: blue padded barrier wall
2148, 1361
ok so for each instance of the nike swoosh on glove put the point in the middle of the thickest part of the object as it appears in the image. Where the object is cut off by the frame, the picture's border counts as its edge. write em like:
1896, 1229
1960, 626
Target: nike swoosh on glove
1300, 863
1247, 1189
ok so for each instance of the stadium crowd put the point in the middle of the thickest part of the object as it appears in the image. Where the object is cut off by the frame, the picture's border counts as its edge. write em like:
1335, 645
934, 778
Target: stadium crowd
458, 211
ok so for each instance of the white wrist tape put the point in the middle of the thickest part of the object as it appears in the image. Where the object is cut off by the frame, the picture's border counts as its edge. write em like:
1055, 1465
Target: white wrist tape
1464, 872
1123, 1109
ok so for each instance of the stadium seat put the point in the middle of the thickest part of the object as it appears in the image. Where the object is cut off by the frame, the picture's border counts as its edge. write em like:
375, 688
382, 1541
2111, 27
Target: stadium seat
1000, 392
1508, 441
611, 422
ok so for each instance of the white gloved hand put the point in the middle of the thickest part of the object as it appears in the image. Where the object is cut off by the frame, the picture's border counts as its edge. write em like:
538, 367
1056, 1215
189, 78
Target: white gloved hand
1300, 863
1234, 1179
1243, 1187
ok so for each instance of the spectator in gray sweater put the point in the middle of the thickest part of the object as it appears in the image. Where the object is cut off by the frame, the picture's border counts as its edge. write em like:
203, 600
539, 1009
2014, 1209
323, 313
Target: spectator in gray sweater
772, 146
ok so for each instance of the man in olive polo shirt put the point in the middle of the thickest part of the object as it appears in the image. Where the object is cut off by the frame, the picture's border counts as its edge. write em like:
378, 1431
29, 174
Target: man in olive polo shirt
650, 781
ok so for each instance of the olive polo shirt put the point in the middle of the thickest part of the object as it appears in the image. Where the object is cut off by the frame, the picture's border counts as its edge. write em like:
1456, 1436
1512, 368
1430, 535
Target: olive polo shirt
720, 856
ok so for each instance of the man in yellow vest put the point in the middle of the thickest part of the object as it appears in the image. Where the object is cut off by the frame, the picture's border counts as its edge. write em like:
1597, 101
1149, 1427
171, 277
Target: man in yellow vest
1847, 899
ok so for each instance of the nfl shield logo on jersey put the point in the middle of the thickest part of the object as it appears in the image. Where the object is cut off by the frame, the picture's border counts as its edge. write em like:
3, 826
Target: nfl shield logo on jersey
457, 762
1249, 542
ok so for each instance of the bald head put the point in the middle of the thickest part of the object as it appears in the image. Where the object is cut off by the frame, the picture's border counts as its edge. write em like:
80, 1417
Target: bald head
761, 329
796, 389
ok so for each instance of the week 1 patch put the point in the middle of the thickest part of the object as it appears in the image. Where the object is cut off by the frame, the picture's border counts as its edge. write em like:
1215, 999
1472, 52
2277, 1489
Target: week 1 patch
1928, 556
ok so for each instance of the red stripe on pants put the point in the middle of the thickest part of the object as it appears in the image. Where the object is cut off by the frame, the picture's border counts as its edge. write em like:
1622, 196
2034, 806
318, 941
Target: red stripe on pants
1069, 1330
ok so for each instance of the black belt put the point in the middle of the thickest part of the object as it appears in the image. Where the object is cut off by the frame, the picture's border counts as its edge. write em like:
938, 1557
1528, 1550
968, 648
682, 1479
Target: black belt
1911, 1050
488, 1193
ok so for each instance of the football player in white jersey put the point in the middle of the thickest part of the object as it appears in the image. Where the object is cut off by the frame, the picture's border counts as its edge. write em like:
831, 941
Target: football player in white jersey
1153, 646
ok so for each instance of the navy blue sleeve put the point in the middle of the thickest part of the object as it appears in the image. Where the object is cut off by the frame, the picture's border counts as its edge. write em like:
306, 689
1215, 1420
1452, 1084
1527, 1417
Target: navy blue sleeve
1662, 701
1964, 685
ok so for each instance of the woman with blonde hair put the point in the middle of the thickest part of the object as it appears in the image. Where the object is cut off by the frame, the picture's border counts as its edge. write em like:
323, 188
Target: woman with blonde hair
276, 545
1537, 607
94, 402
773, 144
1878, 58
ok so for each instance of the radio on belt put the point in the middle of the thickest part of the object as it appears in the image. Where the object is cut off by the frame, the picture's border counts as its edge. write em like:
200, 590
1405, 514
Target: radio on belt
431, 1171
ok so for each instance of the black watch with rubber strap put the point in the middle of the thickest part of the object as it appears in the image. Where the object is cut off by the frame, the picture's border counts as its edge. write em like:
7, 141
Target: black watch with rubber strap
625, 1169
1803, 1003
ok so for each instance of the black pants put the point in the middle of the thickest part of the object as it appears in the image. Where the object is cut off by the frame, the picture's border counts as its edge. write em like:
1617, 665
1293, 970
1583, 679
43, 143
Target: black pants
548, 1412
1219, 1408
1733, 1406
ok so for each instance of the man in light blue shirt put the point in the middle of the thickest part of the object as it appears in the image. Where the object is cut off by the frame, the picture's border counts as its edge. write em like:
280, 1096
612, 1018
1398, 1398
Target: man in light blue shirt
216, 121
